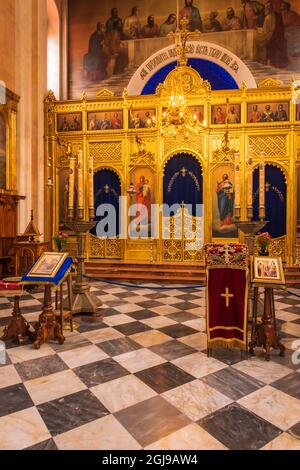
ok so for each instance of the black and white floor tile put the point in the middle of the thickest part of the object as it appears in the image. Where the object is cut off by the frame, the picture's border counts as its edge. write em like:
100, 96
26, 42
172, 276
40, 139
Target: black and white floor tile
142, 380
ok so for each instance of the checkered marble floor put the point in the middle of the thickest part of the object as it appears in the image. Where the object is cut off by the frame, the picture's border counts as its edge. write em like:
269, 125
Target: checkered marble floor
142, 379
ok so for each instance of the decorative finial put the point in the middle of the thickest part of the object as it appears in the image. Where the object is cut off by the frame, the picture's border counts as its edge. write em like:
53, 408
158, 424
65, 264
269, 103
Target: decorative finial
50, 96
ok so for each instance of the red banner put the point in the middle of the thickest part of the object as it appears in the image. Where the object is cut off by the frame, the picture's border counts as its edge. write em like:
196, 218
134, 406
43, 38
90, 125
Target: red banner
227, 297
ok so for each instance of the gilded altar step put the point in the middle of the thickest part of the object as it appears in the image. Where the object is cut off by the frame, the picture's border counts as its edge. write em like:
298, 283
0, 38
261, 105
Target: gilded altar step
134, 270
160, 271
292, 276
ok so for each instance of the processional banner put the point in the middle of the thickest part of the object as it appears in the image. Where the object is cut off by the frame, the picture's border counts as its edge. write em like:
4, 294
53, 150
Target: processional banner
227, 295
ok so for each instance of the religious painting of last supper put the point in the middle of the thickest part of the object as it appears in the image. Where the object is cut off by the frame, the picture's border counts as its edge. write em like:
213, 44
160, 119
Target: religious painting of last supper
149, 230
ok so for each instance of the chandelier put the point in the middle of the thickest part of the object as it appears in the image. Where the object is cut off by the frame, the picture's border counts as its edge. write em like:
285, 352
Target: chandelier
178, 117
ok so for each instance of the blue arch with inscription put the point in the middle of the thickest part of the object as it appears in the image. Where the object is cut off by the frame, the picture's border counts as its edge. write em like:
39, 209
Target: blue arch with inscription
218, 77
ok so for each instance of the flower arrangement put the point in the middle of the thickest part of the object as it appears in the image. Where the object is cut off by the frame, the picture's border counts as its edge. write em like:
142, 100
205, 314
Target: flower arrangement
60, 240
263, 241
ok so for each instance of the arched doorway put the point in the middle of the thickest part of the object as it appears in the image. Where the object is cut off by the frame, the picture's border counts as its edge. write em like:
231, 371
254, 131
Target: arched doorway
104, 238
275, 200
182, 221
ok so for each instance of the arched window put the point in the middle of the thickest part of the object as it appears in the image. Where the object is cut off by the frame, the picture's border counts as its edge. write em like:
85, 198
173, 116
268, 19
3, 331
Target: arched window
53, 49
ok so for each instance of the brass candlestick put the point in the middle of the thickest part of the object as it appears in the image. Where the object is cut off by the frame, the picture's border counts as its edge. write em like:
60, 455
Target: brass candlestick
249, 228
84, 300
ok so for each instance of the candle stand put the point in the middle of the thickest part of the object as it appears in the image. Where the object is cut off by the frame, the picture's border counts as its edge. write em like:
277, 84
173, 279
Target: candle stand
250, 228
84, 301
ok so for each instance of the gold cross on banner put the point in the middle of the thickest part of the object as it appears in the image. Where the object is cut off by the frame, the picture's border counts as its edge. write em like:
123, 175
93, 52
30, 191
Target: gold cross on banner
227, 258
183, 171
227, 296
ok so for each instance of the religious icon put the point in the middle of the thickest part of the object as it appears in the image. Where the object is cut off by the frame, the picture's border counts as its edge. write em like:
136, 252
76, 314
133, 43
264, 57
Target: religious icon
47, 265
198, 113
105, 121
142, 118
255, 115
141, 195
267, 269
226, 114
63, 195
69, 122
223, 202
268, 112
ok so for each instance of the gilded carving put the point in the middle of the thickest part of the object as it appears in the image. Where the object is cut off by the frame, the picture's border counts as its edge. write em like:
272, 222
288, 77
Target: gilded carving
195, 142
96, 247
277, 247
272, 145
113, 248
50, 101
180, 242
64, 152
224, 153
106, 151
172, 250
50, 97
297, 252
270, 82
104, 248
189, 79
195, 255
119, 149
142, 156
105, 93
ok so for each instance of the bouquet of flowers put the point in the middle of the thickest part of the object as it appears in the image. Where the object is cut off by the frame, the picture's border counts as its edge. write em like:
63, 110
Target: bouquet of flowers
60, 240
263, 241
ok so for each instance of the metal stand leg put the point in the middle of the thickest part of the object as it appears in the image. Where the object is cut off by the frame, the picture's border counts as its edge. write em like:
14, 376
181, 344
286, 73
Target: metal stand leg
70, 300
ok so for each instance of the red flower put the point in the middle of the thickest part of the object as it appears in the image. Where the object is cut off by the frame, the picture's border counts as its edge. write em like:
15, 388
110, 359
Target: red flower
263, 239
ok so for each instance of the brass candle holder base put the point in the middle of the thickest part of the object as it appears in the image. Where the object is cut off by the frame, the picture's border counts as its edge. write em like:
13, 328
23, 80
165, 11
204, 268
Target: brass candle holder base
84, 301
250, 228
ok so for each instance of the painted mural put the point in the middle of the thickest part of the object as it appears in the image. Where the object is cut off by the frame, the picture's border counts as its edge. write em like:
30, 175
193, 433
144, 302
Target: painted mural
100, 33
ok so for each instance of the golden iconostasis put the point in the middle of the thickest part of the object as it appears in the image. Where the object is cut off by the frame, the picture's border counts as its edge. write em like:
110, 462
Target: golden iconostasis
124, 136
